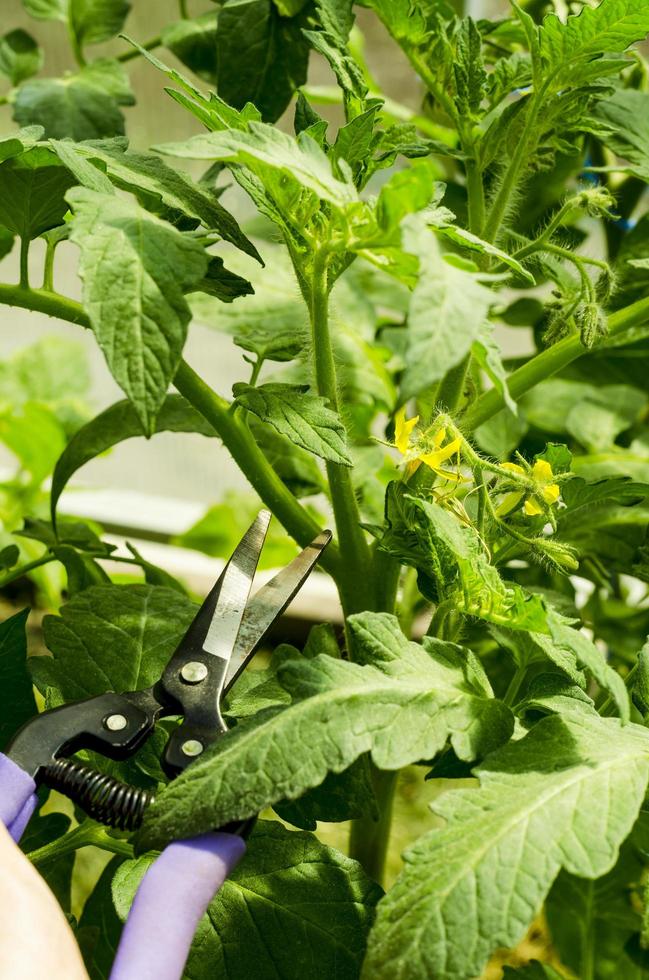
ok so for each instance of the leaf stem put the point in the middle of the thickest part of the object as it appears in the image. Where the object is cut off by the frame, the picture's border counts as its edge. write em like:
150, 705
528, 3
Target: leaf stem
547, 363
182, 6
514, 685
507, 187
24, 262
252, 462
277, 497
132, 53
355, 572
86, 834
451, 388
48, 267
25, 569
368, 839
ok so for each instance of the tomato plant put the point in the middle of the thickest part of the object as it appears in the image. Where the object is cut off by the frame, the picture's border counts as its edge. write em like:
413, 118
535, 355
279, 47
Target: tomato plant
491, 550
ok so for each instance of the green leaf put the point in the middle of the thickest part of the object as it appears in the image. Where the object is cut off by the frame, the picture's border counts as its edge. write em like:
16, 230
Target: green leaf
272, 323
625, 113
305, 910
156, 185
640, 687
301, 416
590, 921
295, 467
114, 425
32, 189
347, 795
452, 562
261, 57
488, 355
442, 223
34, 434
221, 283
610, 27
336, 19
94, 21
17, 143
590, 657
19, 704
82, 106
447, 309
468, 68
141, 327
20, 56
340, 711
114, 638
47, 9
193, 42
566, 795
284, 165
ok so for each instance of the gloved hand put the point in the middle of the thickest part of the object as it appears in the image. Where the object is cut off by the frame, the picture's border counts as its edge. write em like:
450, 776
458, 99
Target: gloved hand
35, 938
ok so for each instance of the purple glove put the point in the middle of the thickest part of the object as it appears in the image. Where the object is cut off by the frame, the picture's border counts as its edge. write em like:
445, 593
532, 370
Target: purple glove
173, 895
172, 898
17, 797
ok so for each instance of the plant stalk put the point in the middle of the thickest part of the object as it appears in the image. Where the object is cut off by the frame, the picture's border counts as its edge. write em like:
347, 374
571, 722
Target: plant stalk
547, 363
368, 839
241, 444
86, 834
501, 202
355, 577
24, 262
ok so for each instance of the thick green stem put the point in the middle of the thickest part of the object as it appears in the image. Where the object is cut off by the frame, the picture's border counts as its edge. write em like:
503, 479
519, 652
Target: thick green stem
24, 263
368, 839
252, 462
355, 578
512, 175
277, 497
475, 197
48, 267
547, 363
86, 834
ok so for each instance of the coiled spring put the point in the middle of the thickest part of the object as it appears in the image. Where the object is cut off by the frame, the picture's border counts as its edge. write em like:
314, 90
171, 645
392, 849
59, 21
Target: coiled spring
103, 797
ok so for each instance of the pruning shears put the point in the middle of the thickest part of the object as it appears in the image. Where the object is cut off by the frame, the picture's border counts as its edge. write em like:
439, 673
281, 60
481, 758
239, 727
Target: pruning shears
218, 645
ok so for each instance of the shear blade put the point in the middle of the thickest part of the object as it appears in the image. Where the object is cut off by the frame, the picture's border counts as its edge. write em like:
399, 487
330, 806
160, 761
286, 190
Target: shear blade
270, 602
216, 624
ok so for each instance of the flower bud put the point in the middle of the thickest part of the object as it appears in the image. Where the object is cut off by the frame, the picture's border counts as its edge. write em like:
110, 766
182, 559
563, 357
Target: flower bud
591, 323
558, 557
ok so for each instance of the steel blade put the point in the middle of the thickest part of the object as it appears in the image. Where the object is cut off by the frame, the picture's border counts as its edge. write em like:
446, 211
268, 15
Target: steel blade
270, 602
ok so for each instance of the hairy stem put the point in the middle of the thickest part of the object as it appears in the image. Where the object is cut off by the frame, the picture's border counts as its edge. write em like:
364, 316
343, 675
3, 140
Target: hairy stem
355, 572
86, 834
547, 363
368, 839
252, 462
277, 497
512, 174
24, 262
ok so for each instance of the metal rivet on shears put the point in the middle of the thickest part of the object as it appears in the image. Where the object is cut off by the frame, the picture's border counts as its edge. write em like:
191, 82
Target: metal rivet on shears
192, 747
194, 672
115, 723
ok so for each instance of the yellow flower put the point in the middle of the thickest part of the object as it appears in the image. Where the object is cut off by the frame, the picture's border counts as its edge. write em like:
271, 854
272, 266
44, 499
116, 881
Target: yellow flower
543, 476
441, 454
403, 429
